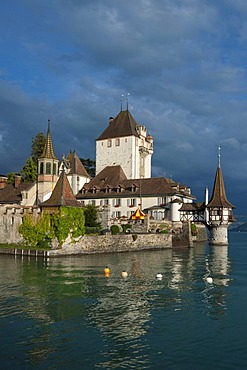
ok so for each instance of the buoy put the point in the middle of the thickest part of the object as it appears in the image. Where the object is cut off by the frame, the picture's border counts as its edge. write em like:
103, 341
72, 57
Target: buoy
107, 271
124, 274
159, 276
209, 280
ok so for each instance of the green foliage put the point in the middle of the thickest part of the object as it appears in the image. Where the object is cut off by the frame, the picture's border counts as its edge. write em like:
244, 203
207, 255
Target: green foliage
115, 229
36, 232
38, 144
40, 231
164, 231
92, 230
11, 177
193, 228
134, 237
90, 166
69, 220
91, 216
125, 227
29, 171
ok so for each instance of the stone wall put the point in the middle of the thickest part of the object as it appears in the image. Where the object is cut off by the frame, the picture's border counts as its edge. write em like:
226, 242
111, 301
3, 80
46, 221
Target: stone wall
114, 243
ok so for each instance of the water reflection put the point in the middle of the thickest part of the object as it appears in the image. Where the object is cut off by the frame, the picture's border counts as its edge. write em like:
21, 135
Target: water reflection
60, 299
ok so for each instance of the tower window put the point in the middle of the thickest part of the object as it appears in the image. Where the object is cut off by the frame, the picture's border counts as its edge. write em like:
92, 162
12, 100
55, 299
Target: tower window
117, 142
48, 168
109, 143
54, 169
41, 170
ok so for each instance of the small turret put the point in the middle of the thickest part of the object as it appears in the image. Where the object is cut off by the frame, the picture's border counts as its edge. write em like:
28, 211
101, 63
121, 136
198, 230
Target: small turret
219, 210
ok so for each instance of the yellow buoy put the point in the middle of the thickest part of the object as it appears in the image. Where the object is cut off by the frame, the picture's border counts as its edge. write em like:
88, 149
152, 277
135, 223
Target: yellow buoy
107, 271
124, 274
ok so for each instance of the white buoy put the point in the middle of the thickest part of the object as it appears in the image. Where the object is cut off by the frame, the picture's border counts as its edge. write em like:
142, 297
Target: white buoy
159, 276
124, 274
209, 280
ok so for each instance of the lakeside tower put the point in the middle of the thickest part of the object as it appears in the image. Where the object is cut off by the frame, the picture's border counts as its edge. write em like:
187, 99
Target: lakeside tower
219, 210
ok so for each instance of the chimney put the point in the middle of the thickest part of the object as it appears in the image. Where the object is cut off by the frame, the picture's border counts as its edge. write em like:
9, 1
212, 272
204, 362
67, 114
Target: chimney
110, 120
17, 180
3, 181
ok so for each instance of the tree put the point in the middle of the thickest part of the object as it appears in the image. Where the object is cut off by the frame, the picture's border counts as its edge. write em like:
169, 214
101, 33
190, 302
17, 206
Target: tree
11, 177
29, 171
38, 144
91, 216
90, 166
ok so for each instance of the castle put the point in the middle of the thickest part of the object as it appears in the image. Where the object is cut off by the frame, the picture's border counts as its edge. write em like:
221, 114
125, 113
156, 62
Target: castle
122, 184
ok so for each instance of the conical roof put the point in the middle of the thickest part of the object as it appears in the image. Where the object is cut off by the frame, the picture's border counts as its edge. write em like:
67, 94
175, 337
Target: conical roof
219, 198
48, 151
62, 194
123, 125
76, 167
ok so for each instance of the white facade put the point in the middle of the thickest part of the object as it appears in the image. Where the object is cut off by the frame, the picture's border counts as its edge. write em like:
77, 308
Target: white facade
131, 149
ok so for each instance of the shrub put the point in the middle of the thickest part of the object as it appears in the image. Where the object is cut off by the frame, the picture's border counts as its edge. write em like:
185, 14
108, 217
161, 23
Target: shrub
125, 227
115, 229
134, 237
92, 230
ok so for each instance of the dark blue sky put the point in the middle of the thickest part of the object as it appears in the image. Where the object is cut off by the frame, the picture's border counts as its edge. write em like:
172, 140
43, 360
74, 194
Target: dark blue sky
182, 61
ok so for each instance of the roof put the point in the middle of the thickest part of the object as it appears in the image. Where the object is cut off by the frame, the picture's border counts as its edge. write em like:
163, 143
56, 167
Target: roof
12, 195
138, 215
219, 198
112, 182
48, 151
123, 125
199, 206
76, 167
62, 194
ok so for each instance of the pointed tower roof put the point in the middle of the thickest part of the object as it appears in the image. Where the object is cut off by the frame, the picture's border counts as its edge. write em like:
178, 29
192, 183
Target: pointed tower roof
123, 125
76, 167
219, 198
48, 151
62, 194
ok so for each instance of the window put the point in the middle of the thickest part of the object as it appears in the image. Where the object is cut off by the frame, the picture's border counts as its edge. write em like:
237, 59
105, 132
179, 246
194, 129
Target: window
108, 143
117, 202
41, 170
131, 202
117, 142
48, 168
116, 214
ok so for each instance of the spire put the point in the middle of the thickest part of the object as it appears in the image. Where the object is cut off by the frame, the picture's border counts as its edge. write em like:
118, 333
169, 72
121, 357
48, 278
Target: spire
48, 151
219, 198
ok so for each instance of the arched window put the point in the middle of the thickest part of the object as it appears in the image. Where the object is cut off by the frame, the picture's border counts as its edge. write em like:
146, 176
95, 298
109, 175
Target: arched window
41, 169
48, 168
54, 169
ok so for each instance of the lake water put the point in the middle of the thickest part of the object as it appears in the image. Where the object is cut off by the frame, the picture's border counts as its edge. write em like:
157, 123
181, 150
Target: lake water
65, 314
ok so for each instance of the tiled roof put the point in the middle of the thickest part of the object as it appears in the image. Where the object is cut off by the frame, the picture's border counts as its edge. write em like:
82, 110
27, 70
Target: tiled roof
108, 180
48, 151
123, 125
62, 194
11, 195
199, 206
219, 198
76, 167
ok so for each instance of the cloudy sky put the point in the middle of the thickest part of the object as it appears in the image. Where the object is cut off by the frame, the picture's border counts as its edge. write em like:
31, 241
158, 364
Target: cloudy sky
183, 62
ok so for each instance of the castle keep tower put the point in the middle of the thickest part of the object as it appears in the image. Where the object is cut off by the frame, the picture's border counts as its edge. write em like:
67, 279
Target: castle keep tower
127, 144
47, 170
219, 210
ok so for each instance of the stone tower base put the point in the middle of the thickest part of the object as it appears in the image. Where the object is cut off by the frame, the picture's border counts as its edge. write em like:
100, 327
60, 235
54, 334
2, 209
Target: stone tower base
218, 234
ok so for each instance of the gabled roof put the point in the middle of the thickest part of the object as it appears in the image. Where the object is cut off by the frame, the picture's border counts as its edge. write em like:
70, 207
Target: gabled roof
193, 207
48, 151
123, 125
62, 194
113, 176
11, 195
76, 167
219, 198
